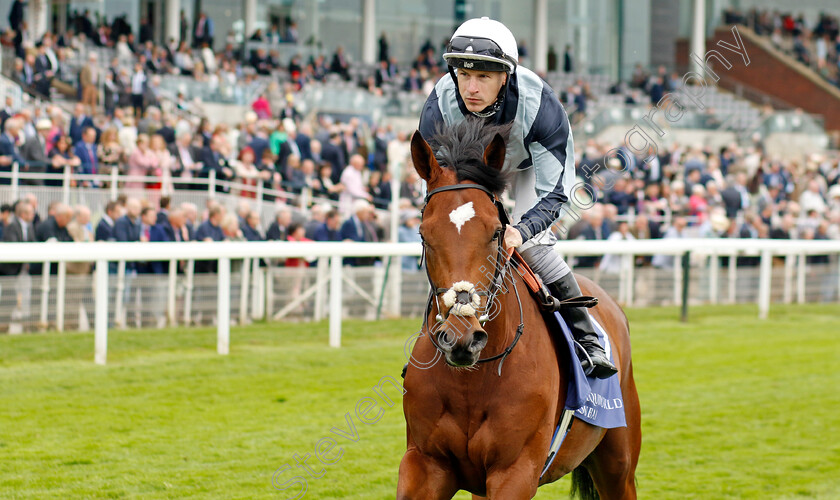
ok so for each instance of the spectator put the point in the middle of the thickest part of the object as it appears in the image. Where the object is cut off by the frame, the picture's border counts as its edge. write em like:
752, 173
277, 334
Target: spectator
279, 229
317, 216
16, 15
5, 217
251, 228
19, 230
213, 161
409, 232
79, 229
89, 81
9, 152
162, 164
354, 186
568, 60
230, 228
677, 230
105, 228
297, 234
139, 85
611, 264
186, 160
735, 196
62, 157
56, 225
86, 152
330, 229
79, 123
110, 152
358, 228
210, 230
339, 64
34, 150
812, 198
204, 31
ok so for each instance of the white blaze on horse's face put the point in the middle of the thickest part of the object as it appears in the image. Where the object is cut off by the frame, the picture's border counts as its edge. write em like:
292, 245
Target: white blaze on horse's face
461, 215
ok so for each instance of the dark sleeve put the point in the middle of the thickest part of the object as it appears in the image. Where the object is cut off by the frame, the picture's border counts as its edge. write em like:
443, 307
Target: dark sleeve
344, 233
430, 117
200, 233
120, 231
549, 142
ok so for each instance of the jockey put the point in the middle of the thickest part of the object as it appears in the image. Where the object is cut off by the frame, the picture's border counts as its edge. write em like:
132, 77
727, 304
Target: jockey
486, 82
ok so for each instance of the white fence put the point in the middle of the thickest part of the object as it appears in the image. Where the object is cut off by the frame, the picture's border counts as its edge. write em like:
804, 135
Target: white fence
329, 289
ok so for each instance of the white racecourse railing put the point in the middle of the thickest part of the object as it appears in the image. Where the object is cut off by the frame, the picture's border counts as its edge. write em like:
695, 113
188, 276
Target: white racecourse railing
101, 253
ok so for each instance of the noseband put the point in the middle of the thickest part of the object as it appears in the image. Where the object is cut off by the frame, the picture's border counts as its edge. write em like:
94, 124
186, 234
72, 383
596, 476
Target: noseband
462, 298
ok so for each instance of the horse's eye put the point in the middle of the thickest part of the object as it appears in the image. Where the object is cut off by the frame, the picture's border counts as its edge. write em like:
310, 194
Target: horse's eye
496, 235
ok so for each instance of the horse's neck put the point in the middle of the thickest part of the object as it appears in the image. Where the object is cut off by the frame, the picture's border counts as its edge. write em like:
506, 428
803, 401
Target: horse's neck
509, 313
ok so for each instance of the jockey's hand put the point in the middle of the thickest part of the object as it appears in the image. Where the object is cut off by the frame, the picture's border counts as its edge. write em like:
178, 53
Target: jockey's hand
513, 238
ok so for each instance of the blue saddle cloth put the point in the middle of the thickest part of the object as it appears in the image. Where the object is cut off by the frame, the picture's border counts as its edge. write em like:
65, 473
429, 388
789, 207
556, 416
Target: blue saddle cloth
595, 401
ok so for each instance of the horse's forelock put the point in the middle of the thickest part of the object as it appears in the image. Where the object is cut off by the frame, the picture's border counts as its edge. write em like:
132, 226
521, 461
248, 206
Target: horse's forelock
460, 147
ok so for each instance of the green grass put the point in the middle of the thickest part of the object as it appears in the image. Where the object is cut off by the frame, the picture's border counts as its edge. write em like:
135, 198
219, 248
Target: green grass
732, 407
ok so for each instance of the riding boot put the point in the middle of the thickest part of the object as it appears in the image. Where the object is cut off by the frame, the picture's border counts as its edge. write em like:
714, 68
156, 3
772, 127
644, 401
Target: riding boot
594, 361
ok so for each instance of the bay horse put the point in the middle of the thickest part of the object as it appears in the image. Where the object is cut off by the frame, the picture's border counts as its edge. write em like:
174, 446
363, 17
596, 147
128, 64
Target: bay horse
486, 427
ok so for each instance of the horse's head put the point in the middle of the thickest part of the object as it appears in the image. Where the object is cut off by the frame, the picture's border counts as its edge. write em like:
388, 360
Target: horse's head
461, 231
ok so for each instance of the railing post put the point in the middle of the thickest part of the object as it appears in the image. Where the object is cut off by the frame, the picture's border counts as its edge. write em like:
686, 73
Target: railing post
764, 283
223, 307
269, 293
335, 301
115, 181
188, 292
320, 292
714, 272
787, 296
244, 291
678, 276
631, 279
45, 295
15, 180
257, 296
686, 283
396, 287
800, 278
260, 196
120, 316
211, 185
101, 317
65, 185
172, 293
61, 287
622, 279
732, 269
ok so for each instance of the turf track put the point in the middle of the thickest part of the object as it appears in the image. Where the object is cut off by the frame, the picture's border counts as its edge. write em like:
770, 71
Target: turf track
732, 408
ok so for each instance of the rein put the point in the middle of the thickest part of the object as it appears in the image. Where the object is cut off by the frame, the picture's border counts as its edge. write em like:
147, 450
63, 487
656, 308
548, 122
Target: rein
502, 262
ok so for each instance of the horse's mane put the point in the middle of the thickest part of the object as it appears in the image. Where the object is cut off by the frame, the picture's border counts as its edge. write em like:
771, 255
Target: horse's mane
460, 147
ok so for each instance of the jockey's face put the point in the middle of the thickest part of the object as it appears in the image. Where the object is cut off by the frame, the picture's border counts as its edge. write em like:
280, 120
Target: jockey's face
479, 89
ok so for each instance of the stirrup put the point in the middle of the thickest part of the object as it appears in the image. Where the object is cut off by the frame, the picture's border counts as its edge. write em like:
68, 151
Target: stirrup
550, 303
587, 364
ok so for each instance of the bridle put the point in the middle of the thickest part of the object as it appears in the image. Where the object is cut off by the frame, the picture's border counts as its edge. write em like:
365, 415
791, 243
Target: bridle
502, 266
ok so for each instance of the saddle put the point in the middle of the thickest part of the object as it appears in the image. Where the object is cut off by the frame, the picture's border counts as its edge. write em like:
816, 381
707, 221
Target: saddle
546, 301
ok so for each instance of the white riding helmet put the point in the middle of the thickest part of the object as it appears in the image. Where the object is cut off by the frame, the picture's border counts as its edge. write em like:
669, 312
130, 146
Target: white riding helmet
483, 44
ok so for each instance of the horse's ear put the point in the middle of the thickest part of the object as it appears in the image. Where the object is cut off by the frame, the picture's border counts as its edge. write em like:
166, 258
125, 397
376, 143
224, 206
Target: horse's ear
494, 153
422, 156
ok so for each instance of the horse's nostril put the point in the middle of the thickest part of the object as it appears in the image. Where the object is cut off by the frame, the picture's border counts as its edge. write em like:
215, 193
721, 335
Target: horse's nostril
479, 338
445, 339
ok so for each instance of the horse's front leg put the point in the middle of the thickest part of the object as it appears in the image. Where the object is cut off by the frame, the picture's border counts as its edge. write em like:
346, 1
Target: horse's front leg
519, 481
423, 478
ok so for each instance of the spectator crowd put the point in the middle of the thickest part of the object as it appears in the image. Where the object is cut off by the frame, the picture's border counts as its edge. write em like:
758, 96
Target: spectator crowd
816, 45
346, 167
